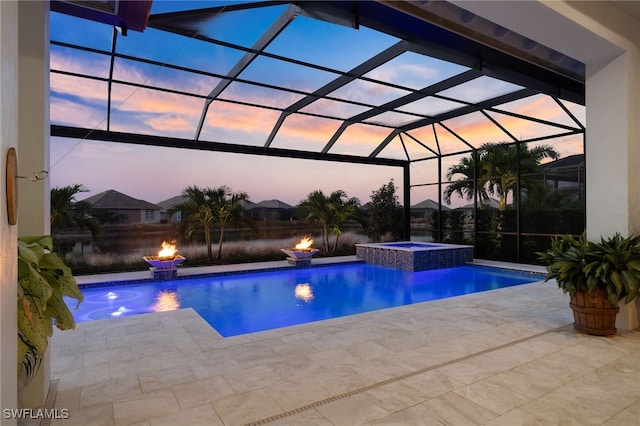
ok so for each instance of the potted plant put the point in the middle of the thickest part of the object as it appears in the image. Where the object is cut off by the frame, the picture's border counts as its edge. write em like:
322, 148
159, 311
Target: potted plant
43, 280
597, 276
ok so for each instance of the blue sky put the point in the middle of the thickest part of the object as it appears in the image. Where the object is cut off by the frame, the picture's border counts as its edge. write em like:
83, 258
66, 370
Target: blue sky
155, 174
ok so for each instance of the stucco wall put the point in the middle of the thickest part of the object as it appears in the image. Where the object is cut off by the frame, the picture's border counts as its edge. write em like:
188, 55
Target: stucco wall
8, 233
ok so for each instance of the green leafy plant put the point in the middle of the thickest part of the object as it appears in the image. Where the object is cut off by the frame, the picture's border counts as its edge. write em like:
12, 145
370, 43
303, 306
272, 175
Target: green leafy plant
43, 280
612, 265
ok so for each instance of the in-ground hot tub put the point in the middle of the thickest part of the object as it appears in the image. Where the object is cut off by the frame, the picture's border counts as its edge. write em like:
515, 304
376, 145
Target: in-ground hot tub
413, 256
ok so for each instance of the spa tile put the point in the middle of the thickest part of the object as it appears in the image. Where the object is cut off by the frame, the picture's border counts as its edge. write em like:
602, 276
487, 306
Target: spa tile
246, 407
250, 379
164, 378
200, 415
354, 410
195, 393
144, 407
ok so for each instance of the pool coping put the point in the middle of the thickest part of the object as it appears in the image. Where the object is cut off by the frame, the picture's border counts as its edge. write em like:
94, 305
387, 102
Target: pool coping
138, 277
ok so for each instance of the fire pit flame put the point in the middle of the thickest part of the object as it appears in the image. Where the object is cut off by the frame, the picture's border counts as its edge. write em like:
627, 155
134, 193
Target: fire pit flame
304, 244
166, 261
301, 254
168, 251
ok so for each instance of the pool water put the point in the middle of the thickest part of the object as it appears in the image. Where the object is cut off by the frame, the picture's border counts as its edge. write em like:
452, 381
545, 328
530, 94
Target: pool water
249, 302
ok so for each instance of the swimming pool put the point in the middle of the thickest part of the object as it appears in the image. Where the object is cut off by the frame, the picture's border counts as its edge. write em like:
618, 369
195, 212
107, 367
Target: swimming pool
257, 301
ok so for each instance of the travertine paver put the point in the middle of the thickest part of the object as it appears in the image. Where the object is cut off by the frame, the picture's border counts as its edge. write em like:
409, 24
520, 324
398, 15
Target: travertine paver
503, 357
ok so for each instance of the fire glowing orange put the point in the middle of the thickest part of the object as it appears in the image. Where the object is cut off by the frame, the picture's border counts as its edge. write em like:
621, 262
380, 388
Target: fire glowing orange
304, 244
168, 251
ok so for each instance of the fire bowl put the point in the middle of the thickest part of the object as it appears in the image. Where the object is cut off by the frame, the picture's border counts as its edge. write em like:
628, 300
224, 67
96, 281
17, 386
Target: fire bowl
164, 263
299, 254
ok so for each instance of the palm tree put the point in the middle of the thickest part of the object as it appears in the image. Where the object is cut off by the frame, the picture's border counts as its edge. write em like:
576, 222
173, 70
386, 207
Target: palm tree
315, 210
228, 209
330, 212
497, 172
342, 209
500, 169
464, 186
204, 206
66, 212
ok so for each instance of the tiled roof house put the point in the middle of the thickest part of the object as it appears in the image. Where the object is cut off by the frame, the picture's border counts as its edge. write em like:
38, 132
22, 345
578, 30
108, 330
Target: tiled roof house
113, 206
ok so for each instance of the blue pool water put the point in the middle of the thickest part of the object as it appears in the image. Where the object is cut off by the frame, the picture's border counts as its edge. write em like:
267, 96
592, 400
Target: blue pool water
245, 303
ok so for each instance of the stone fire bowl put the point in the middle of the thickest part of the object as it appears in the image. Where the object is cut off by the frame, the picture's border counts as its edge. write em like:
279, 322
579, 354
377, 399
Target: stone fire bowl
158, 263
299, 254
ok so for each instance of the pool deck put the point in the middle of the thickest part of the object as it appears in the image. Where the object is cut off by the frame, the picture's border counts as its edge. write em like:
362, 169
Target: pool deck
503, 357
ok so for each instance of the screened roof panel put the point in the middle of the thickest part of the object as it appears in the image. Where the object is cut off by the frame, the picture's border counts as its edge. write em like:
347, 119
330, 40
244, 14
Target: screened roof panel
286, 74
539, 106
368, 92
426, 138
524, 129
360, 139
333, 108
448, 143
85, 33
334, 46
223, 25
477, 129
237, 124
177, 50
77, 101
430, 106
154, 112
405, 148
305, 132
81, 62
321, 77
392, 119
163, 77
480, 89
415, 71
248, 93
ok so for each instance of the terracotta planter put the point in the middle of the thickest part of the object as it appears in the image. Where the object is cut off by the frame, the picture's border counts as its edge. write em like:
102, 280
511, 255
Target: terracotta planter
593, 314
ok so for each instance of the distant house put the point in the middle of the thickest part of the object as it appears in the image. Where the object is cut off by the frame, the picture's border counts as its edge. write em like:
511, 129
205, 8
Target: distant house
491, 203
426, 208
169, 203
113, 207
273, 210
566, 174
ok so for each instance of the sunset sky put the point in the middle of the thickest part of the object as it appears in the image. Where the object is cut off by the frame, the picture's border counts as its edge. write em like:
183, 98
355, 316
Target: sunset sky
155, 174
